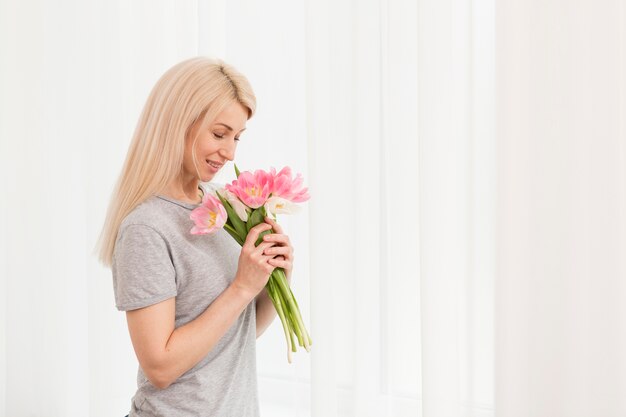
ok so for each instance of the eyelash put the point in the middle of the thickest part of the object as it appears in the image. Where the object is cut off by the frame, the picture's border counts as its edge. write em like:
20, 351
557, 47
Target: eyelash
222, 137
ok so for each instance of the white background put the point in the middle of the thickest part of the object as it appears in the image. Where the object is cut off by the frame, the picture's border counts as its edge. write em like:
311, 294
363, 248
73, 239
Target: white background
463, 252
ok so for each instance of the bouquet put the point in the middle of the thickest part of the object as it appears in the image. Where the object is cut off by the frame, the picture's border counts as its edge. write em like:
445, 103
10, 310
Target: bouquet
241, 205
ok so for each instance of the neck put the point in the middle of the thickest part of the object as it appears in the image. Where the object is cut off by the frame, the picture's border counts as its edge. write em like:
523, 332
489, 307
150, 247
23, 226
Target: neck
188, 192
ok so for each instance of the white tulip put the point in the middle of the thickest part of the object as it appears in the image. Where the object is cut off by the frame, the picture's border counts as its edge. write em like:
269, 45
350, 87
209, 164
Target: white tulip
278, 205
236, 203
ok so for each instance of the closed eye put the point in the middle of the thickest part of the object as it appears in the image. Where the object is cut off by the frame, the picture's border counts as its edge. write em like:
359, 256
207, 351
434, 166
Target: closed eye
222, 136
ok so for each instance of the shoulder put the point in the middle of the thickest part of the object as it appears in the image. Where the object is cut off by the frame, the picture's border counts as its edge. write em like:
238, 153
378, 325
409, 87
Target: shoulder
142, 231
150, 214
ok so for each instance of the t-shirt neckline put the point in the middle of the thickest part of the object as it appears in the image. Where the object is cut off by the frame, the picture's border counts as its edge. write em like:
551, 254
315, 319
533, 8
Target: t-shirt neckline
184, 204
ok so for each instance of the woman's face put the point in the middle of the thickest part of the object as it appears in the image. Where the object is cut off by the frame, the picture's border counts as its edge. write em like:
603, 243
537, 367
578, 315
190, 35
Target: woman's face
217, 144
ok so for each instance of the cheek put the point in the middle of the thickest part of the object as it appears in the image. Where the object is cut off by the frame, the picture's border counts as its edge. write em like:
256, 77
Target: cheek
208, 150
202, 145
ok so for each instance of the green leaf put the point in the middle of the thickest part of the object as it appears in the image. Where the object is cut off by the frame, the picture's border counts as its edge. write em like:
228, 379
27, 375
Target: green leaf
257, 217
238, 224
236, 171
233, 233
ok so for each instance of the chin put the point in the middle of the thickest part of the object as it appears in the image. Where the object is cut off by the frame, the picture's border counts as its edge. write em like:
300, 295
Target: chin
208, 177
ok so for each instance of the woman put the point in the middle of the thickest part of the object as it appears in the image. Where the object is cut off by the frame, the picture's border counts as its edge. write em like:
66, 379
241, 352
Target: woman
194, 303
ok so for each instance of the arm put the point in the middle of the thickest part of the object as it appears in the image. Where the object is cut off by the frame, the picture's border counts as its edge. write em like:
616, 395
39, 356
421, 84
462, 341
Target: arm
165, 353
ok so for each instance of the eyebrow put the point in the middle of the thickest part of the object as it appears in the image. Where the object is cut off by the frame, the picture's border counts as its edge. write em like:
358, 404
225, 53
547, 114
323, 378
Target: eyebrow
228, 127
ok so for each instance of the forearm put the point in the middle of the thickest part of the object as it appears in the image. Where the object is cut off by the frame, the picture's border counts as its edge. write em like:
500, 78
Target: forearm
265, 311
191, 342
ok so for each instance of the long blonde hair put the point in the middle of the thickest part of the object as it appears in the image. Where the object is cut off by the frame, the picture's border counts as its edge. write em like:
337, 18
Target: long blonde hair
197, 88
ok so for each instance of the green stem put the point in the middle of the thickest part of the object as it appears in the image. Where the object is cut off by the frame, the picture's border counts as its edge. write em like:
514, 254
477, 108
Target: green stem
291, 330
275, 297
289, 299
294, 324
289, 307
306, 333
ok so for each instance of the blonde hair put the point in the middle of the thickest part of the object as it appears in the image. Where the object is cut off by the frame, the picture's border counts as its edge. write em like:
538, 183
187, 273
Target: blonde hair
195, 89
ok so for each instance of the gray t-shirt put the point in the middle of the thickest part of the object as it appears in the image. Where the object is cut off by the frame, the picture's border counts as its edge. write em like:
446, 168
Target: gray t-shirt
156, 258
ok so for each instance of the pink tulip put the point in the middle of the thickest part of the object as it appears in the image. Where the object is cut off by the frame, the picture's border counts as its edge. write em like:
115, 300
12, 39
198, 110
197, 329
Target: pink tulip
252, 189
286, 187
209, 216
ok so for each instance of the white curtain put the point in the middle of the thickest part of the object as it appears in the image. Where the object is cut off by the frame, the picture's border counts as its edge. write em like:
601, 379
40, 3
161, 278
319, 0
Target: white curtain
362, 107
75, 76
463, 250
561, 211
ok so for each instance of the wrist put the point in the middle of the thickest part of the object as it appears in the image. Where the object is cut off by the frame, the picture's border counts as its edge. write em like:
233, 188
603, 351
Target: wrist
241, 292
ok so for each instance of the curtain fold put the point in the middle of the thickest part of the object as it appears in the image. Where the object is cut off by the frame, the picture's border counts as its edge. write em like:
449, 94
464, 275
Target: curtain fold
331, 343
457, 204
361, 107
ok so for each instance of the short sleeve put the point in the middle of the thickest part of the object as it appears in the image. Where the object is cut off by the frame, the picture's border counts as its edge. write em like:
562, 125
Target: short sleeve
143, 273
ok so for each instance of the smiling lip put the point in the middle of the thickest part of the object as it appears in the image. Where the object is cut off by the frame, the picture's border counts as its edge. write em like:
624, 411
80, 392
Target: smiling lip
214, 165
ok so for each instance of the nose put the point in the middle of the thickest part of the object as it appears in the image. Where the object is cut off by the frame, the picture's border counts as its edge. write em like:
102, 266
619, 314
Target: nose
228, 150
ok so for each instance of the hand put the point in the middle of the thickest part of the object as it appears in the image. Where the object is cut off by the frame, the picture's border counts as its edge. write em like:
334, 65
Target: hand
254, 268
283, 251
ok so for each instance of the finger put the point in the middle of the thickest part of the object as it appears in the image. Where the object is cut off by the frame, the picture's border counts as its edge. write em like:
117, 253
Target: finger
277, 237
254, 233
279, 250
280, 263
264, 247
277, 227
